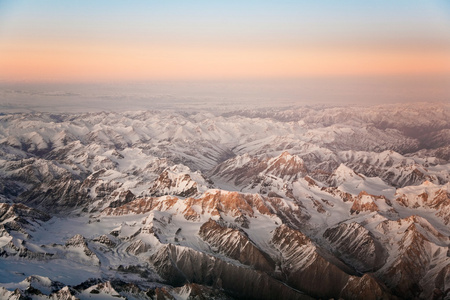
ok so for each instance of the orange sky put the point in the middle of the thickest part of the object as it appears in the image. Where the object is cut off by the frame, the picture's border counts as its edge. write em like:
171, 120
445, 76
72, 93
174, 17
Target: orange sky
221, 40
118, 62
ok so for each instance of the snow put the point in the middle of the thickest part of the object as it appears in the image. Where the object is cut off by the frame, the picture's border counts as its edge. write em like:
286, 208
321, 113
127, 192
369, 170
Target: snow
342, 149
349, 181
102, 291
5, 240
62, 270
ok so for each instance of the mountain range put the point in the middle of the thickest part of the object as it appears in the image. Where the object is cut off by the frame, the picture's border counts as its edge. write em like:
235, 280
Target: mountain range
267, 203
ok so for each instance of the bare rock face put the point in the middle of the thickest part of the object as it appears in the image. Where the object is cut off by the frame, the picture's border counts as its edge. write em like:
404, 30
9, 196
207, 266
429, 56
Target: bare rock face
67, 193
442, 283
138, 206
18, 220
304, 268
56, 196
121, 198
163, 294
240, 169
17, 217
138, 247
174, 184
418, 264
18, 248
367, 287
427, 195
307, 270
235, 244
104, 288
441, 202
411, 266
243, 170
78, 241
230, 203
356, 246
240, 206
105, 240
21, 211
11, 295
296, 215
243, 206
287, 166
365, 202
63, 294
38, 287
390, 166
346, 197
179, 265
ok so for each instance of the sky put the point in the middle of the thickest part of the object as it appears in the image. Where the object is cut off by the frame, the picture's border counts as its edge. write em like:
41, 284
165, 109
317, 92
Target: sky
240, 41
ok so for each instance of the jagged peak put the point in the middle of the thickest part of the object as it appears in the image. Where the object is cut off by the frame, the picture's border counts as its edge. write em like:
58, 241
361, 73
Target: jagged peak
424, 223
427, 194
414, 223
36, 278
76, 240
364, 202
178, 180
104, 288
285, 154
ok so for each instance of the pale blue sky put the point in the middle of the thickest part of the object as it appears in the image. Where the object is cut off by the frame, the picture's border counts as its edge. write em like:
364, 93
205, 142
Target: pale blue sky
261, 22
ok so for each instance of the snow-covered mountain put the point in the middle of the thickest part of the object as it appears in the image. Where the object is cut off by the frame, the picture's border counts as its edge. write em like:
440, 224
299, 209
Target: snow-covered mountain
291, 203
